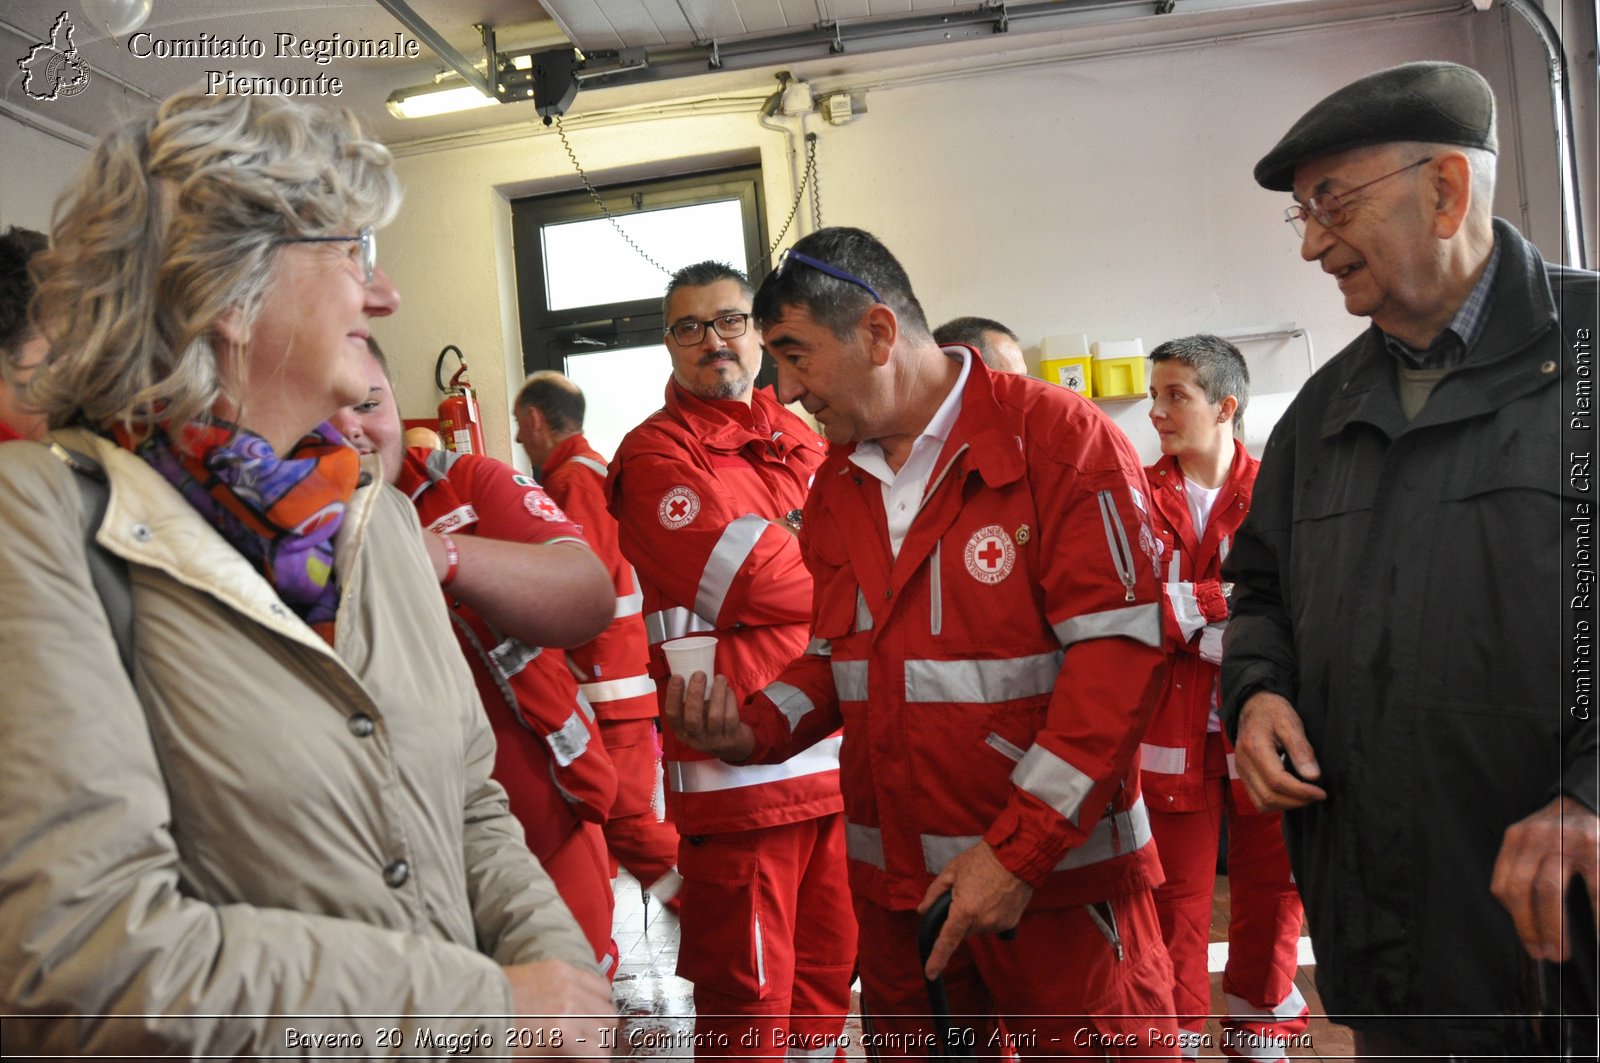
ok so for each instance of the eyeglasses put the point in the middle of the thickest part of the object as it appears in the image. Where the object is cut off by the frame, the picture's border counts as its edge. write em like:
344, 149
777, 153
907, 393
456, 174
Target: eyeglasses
1328, 207
791, 255
728, 326
366, 237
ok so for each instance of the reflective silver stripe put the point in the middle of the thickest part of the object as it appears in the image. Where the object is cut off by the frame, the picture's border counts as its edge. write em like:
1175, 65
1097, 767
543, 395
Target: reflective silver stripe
438, 463
666, 887
629, 605
707, 776
722, 567
1291, 1006
1142, 623
863, 614
864, 844
791, 701
983, 681
590, 463
569, 742
827, 1050
674, 623
1163, 760
1223, 548
1115, 835
605, 964
1185, 609
1233, 769
936, 606
850, 680
617, 689
1053, 781
511, 656
1190, 1042
1174, 571
819, 648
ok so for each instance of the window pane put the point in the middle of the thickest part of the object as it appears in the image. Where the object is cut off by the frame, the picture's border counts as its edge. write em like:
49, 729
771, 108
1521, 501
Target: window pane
620, 389
587, 263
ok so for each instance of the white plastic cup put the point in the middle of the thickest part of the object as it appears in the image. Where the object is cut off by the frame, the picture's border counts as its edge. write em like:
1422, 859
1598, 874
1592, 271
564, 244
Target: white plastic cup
686, 656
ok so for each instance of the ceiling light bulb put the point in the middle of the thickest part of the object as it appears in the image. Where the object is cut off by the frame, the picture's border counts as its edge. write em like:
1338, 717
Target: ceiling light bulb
430, 100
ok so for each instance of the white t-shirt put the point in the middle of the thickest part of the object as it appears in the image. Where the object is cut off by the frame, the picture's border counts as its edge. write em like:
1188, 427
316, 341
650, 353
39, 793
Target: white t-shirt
1201, 499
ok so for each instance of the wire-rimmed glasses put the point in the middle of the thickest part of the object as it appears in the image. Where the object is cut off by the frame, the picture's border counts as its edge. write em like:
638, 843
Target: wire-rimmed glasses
1328, 207
366, 237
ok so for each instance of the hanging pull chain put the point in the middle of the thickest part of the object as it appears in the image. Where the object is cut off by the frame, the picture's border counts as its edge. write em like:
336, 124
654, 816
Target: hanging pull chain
807, 178
576, 165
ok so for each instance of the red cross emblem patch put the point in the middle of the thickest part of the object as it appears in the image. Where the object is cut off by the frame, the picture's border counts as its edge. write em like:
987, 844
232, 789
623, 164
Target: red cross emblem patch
543, 506
990, 554
678, 507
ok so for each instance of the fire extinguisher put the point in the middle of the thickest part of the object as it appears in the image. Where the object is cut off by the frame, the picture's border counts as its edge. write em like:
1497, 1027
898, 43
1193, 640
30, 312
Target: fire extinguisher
459, 425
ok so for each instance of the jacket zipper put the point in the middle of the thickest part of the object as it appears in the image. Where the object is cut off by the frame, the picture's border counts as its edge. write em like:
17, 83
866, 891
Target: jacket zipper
1117, 539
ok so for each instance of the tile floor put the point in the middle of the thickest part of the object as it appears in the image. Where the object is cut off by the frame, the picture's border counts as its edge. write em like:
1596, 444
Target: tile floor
658, 1007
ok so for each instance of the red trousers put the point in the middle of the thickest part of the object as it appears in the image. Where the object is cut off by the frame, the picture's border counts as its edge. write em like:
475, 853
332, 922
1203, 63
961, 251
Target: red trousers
581, 870
1264, 920
645, 845
768, 939
1057, 989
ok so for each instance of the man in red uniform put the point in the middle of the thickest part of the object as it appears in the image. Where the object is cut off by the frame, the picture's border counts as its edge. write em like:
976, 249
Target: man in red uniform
516, 574
21, 346
987, 631
1199, 494
614, 668
706, 493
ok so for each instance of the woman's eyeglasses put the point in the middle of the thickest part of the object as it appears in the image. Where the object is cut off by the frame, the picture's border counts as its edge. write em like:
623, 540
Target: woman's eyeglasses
366, 237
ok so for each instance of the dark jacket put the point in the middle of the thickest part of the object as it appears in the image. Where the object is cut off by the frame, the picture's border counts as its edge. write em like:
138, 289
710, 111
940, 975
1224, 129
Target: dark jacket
1407, 587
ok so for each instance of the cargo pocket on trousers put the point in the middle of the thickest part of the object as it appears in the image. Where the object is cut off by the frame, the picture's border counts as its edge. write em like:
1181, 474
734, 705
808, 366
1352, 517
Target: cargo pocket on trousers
1135, 1020
721, 884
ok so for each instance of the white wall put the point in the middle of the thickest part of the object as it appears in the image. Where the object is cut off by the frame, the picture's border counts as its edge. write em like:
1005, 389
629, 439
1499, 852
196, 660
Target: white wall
34, 167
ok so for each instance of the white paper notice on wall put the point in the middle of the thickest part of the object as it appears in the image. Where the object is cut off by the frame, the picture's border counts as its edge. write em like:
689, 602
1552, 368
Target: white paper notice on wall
1261, 416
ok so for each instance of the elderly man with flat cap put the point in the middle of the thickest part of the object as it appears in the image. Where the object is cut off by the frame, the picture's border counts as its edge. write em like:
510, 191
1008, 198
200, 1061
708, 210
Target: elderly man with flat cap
1396, 666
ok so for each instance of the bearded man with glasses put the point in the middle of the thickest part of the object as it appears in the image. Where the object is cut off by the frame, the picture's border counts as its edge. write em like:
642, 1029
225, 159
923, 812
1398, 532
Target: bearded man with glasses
1396, 669
707, 495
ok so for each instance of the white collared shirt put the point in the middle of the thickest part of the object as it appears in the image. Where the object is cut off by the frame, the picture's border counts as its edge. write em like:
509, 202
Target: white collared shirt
903, 491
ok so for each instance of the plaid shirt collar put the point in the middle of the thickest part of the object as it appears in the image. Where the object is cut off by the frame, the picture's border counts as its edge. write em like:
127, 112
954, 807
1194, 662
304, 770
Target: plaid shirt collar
1450, 347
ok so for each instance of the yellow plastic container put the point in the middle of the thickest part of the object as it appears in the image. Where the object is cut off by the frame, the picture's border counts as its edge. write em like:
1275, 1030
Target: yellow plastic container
1118, 377
1074, 373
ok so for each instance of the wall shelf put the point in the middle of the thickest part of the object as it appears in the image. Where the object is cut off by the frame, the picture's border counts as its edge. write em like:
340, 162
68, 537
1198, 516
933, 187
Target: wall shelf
1116, 400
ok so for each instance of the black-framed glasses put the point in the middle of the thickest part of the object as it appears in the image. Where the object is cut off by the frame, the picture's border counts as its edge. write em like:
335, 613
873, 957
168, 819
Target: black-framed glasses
366, 237
791, 255
1328, 207
728, 326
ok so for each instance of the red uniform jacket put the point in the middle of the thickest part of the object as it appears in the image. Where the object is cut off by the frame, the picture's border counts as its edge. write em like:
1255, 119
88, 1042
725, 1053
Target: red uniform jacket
549, 759
1173, 753
701, 491
993, 680
613, 670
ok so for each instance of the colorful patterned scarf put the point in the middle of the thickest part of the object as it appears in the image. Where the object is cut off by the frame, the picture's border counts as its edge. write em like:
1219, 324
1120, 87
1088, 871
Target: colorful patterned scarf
280, 513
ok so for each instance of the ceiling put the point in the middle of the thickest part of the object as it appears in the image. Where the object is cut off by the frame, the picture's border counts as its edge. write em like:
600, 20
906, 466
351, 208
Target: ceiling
842, 40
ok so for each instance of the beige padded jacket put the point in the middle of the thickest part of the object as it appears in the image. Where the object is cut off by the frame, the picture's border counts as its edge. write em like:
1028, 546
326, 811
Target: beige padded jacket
259, 829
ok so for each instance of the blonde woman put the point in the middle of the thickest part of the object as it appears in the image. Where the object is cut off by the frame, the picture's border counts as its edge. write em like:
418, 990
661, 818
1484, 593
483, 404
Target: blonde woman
272, 830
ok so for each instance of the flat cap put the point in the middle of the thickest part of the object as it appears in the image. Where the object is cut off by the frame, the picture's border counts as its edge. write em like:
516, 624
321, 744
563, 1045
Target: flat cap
1440, 103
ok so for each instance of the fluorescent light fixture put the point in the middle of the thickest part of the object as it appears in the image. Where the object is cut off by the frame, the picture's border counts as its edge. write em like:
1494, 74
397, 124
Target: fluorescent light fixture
444, 98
